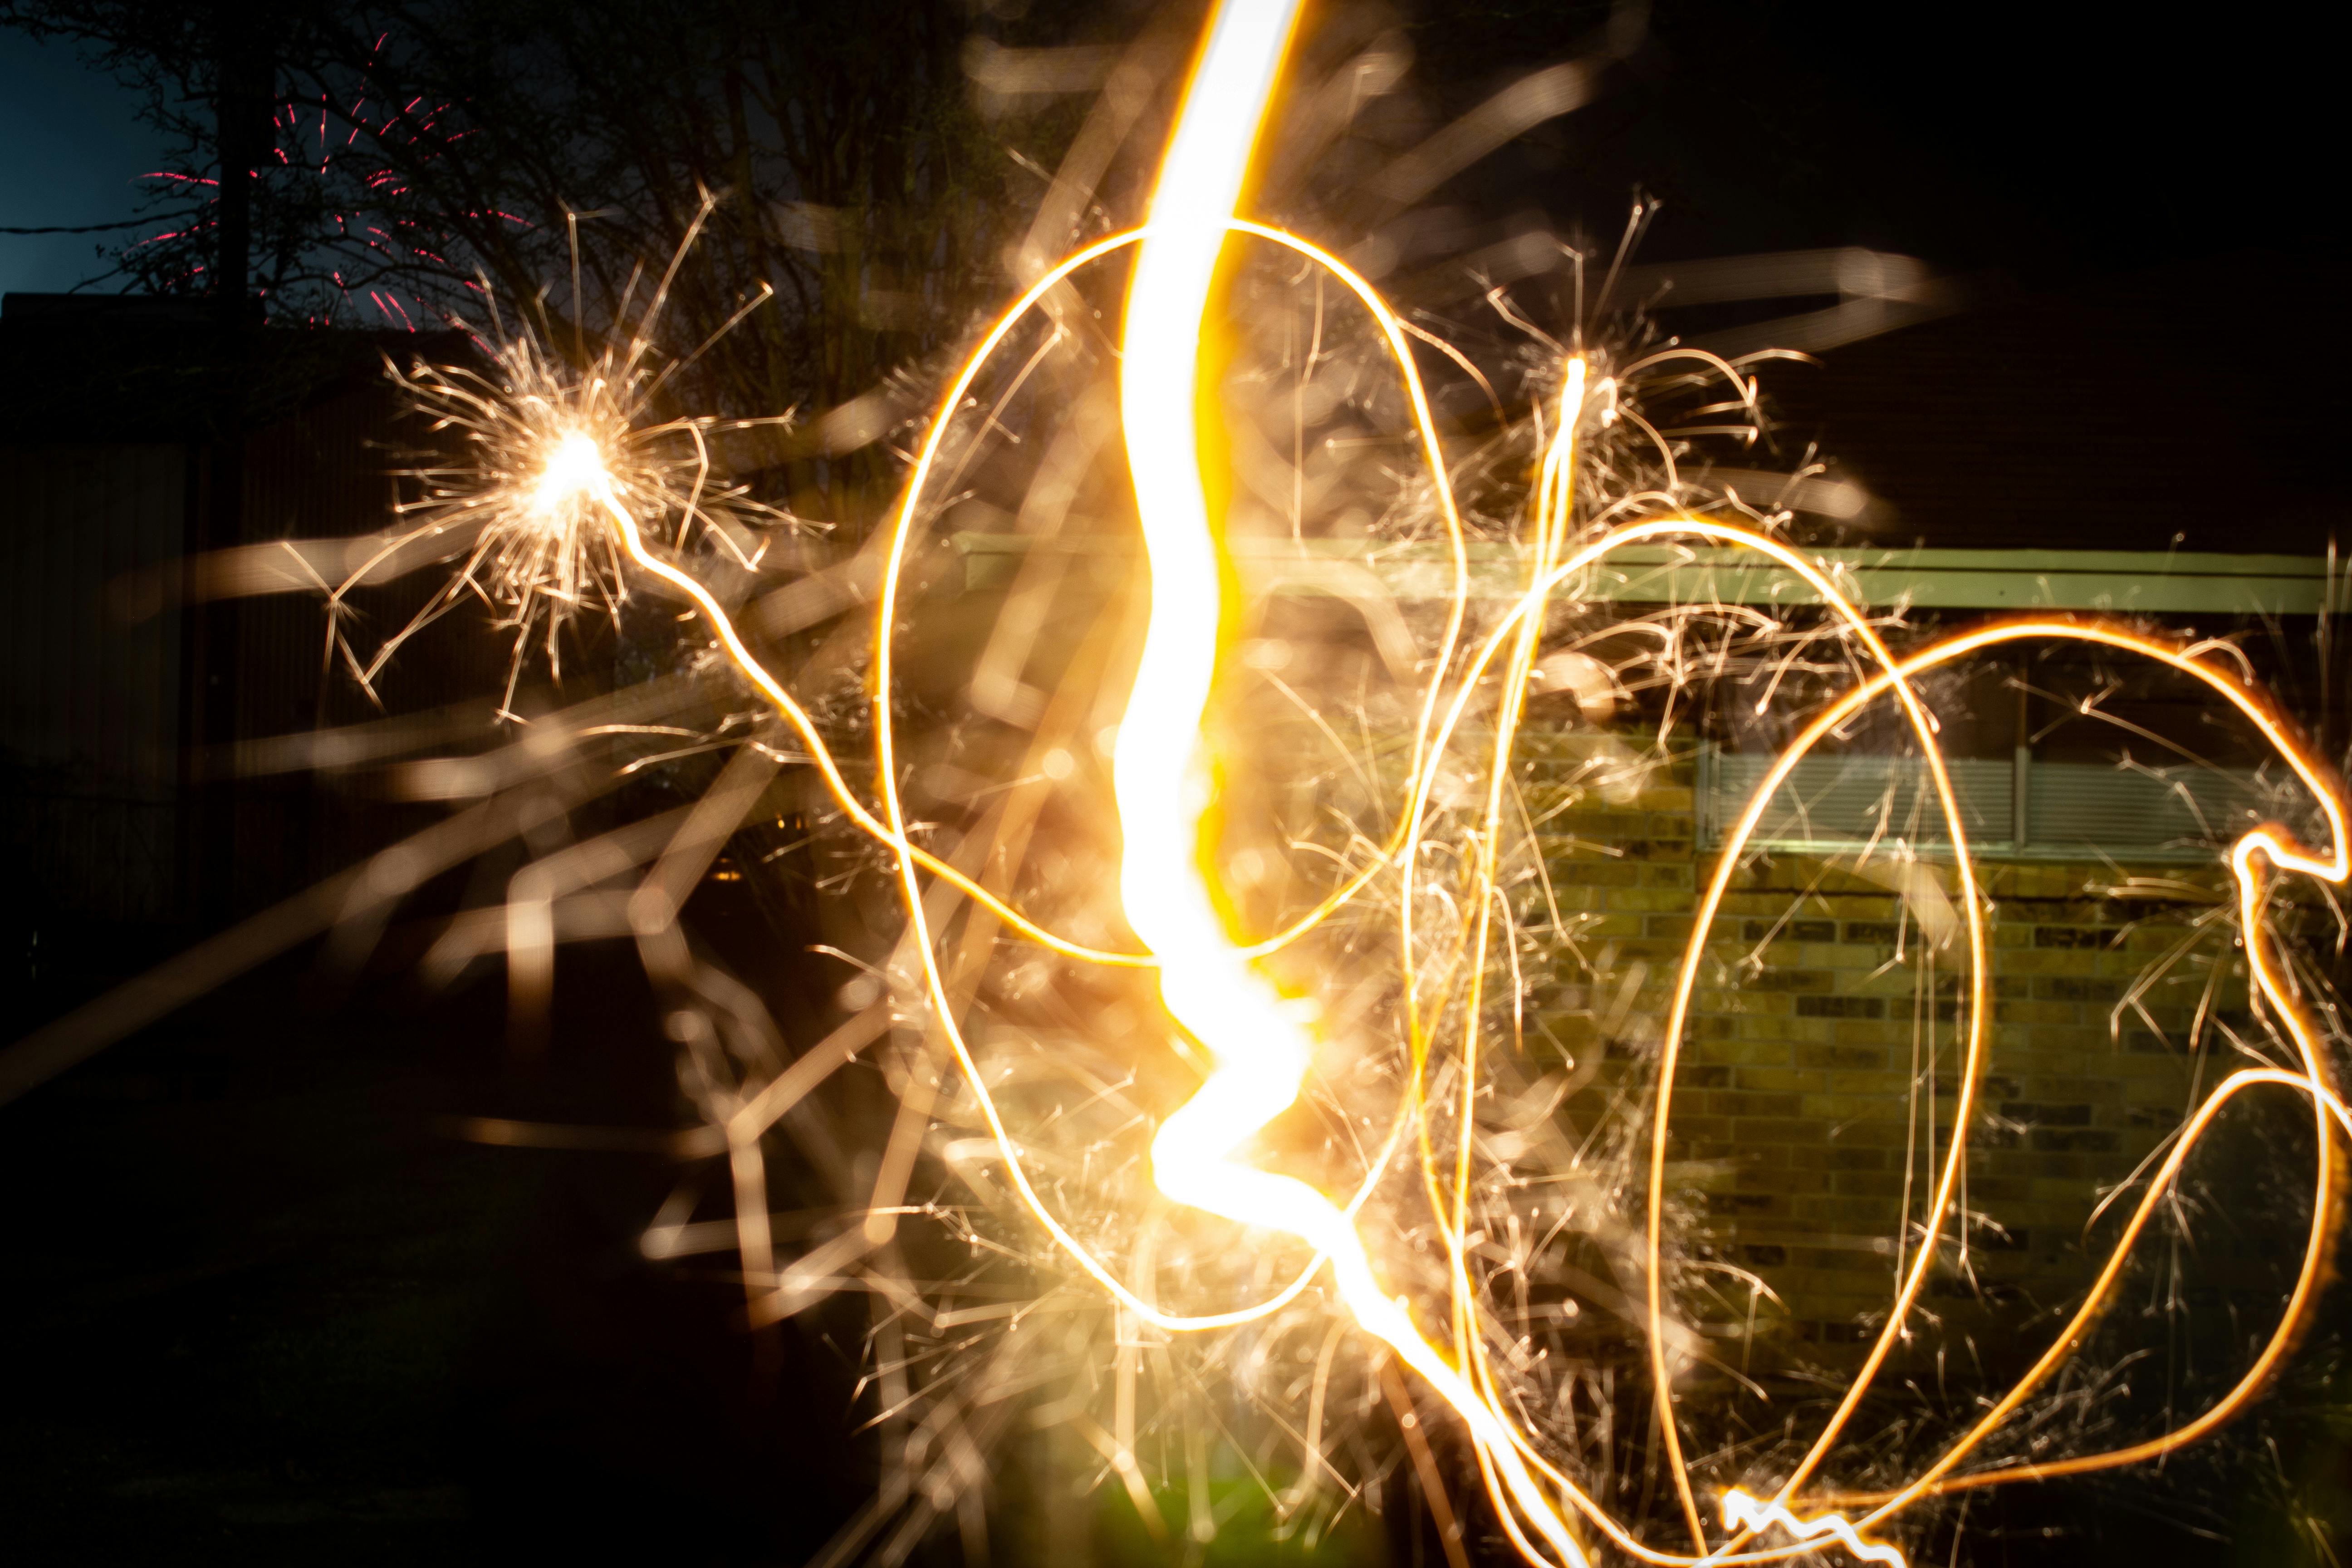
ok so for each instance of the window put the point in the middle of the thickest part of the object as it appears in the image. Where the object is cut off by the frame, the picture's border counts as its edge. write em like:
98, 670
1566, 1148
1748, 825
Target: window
2026, 806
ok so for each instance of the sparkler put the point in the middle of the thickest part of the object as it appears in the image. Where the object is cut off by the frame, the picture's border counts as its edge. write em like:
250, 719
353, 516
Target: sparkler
575, 482
552, 458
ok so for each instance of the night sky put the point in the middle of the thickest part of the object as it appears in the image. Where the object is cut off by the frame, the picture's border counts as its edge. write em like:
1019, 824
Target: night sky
71, 151
369, 1327
2051, 142
2141, 201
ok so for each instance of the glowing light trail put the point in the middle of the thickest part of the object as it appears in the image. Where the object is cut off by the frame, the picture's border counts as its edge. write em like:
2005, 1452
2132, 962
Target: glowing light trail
1259, 1041
1257, 1037
1745, 1514
1195, 1166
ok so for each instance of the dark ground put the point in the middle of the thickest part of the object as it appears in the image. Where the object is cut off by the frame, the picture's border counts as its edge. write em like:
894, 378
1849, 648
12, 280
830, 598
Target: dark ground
255, 1277
263, 1305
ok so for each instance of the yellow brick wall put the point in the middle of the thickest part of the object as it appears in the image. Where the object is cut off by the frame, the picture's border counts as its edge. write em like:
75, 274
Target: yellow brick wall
1806, 1082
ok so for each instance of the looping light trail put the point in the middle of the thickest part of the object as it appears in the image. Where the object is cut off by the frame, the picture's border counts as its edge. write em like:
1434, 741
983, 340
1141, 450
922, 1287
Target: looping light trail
1260, 1042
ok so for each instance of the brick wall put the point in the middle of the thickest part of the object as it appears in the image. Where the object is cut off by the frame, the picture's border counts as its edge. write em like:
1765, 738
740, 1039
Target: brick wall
1824, 1055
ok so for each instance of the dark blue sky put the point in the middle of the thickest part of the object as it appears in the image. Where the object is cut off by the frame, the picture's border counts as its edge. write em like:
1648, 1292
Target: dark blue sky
2083, 140
72, 151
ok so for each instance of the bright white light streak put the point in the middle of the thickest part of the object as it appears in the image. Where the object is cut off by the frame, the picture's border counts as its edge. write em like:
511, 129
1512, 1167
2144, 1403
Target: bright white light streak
1257, 1038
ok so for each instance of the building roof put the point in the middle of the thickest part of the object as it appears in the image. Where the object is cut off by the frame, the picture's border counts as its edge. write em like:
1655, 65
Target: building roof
77, 367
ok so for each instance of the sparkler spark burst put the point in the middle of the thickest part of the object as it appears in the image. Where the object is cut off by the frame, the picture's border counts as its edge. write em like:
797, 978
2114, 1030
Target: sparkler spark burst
552, 452
577, 480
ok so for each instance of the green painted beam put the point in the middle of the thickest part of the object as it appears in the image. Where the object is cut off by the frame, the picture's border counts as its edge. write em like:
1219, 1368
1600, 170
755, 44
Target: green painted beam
2118, 580
2156, 583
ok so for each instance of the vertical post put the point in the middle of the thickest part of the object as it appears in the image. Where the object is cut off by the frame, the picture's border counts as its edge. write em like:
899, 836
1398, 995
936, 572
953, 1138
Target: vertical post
2020, 775
243, 90
241, 84
1703, 796
2020, 816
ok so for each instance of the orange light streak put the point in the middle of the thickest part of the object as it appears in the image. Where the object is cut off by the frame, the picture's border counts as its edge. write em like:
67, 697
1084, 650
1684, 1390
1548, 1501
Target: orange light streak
1260, 1042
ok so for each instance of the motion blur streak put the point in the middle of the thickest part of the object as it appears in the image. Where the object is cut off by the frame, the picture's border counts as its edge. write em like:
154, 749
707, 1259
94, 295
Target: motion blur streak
1261, 1043
1257, 1037
1193, 1153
